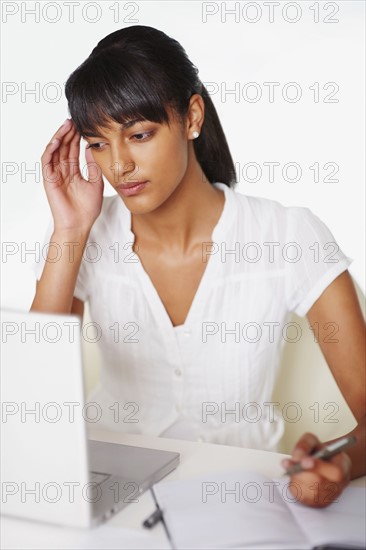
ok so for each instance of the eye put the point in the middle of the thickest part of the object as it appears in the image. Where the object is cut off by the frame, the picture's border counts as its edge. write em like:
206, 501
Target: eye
146, 134
143, 136
95, 146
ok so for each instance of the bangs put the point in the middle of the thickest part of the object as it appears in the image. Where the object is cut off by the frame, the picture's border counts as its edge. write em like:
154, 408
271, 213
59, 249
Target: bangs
110, 87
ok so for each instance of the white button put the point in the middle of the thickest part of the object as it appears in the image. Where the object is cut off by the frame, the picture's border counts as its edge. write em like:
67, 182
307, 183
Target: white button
187, 333
200, 439
178, 408
178, 372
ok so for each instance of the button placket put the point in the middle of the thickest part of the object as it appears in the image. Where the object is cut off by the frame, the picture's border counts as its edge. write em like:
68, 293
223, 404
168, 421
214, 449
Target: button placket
178, 371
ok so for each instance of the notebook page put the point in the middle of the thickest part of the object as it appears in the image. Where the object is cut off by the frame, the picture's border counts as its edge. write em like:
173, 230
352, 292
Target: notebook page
33, 535
341, 522
236, 509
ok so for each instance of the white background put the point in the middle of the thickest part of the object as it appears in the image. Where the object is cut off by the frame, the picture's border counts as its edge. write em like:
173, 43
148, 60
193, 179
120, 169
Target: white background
235, 50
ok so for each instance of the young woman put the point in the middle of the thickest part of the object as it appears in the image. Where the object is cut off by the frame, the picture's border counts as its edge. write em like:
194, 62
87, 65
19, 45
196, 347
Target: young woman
189, 283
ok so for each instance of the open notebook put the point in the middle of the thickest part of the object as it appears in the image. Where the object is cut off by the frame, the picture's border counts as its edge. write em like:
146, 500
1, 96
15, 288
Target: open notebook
244, 509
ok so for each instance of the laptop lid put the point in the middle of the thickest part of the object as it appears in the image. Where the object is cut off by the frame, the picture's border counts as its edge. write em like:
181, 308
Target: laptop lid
42, 400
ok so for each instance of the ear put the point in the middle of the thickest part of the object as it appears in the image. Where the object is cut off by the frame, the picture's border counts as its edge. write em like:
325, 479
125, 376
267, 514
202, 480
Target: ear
195, 115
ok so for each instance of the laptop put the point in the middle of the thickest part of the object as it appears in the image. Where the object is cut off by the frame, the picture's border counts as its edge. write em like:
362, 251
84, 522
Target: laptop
50, 470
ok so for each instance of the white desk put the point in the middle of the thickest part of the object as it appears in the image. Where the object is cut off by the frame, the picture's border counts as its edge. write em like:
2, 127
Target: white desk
125, 529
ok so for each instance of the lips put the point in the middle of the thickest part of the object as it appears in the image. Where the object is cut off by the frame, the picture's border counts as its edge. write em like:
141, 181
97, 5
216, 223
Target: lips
131, 188
130, 184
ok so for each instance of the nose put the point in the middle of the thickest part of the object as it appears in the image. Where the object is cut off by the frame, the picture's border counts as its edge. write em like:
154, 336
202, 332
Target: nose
122, 172
122, 166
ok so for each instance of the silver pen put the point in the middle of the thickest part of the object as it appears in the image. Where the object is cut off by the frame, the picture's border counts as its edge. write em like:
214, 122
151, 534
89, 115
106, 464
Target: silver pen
327, 452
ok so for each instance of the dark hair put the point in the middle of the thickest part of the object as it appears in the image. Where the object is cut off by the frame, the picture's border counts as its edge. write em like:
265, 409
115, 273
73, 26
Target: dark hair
135, 73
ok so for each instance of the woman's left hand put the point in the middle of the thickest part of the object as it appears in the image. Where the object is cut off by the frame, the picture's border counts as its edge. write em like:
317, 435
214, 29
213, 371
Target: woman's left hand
323, 480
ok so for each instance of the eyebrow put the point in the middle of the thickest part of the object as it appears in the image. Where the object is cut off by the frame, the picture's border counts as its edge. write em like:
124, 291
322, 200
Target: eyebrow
124, 126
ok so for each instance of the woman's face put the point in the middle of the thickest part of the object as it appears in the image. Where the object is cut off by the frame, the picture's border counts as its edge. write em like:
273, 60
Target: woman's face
144, 152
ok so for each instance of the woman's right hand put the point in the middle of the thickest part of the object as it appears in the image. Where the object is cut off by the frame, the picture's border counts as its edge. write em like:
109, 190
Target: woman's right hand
75, 202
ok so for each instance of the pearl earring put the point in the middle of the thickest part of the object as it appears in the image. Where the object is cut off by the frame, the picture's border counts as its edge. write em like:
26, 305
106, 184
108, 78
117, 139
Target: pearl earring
195, 135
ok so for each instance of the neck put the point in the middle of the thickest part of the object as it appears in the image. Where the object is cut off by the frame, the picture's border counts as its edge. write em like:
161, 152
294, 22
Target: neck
185, 219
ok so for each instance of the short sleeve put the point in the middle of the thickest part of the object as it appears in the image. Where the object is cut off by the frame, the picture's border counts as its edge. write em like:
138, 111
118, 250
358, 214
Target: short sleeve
312, 257
81, 287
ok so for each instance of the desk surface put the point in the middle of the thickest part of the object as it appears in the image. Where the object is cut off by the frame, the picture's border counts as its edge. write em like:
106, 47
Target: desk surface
125, 529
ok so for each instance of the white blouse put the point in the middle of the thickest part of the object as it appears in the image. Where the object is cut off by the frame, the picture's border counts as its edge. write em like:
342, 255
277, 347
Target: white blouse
212, 378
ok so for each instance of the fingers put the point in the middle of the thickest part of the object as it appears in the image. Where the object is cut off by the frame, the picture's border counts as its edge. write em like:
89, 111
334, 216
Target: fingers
69, 155
94, 172
58, 136
61, 157
48, 160
313, 490
50, 157
89, 156
63, 129
307, 444
64, 148
336, 469
329, 477
324, 482
75, 146
320, 481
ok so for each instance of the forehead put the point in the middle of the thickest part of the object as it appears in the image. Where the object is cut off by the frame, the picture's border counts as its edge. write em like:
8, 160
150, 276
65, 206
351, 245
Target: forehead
114, 126
133, 124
